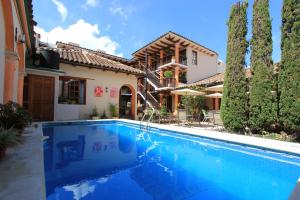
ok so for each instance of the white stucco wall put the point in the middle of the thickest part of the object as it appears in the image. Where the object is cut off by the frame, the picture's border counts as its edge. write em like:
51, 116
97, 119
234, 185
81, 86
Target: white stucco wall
95, 77
206, 66
2, 50
221, 67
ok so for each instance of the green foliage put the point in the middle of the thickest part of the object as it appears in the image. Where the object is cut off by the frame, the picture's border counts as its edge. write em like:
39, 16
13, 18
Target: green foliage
289, 74
262, 102
94, 112
8, 137
12, 115
168, 74
163, 110
103, 116
194, 104
113, 110
234, 102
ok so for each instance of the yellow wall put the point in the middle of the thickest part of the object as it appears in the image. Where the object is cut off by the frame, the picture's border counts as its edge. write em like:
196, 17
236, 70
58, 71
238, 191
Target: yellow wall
95, 77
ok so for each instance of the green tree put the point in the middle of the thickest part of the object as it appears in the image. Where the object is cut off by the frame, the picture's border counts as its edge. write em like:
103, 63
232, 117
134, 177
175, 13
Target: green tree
262, 102
289, 73
234, 102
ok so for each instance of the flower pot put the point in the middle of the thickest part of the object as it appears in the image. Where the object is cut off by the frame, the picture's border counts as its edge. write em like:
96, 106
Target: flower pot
95, 117
115, 117
2, 152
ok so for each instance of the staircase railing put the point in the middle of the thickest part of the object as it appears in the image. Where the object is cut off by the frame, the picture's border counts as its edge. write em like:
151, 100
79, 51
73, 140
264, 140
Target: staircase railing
148, 121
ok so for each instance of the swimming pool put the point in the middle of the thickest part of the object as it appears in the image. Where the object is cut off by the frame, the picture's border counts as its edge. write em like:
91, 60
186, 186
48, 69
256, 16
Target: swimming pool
115, 160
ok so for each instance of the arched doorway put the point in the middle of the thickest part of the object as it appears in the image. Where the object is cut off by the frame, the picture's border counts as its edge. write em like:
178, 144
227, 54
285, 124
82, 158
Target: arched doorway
127, 102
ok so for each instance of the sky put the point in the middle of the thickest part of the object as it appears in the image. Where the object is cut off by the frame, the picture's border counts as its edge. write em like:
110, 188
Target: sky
120, 27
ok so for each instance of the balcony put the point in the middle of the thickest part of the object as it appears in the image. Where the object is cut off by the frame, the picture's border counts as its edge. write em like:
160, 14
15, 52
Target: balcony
170, 63
169, 82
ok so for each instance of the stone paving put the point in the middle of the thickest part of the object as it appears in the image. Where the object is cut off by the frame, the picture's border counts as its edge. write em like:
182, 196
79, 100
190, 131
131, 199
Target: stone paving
22, 170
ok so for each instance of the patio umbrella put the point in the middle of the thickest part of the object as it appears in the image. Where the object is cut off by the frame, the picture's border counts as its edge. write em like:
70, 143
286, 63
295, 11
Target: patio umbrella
216, 88
187, 92
214, 95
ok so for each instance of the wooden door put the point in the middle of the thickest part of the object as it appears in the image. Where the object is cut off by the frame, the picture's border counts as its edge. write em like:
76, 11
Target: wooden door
41, 97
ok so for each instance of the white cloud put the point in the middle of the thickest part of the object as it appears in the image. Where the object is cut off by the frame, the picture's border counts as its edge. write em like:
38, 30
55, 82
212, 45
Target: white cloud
91, 3
61, 9
83, 33
118, 11
107, 28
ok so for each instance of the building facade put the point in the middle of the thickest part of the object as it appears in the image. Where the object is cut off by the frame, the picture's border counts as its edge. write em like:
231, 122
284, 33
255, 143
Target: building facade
172, 61
67, 82
16, 43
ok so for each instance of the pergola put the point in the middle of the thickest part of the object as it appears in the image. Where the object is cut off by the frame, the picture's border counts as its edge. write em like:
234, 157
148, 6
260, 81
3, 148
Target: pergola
166, 44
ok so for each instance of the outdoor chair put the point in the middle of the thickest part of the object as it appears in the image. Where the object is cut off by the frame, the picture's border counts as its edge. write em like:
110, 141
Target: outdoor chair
183, 119
218, 123
208, 116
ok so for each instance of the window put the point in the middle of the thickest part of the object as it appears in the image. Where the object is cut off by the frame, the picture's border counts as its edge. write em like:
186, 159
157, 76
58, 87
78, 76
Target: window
194, 57
71, 90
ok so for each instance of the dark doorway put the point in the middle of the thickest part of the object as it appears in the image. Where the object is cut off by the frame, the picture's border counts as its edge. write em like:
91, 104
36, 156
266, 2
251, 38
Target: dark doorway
169, 104
126, 103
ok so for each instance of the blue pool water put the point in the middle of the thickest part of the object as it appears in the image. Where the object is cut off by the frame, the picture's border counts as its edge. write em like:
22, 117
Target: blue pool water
115, 161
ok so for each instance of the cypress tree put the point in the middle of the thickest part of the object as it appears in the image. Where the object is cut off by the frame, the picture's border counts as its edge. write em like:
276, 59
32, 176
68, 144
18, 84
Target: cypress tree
234, 100
289, 73
262, 105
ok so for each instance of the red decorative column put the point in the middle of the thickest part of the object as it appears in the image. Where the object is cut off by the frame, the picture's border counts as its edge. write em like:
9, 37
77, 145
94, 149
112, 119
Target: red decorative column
161, 57
11, 59
177, 71
21, 73
161, 99
177, 47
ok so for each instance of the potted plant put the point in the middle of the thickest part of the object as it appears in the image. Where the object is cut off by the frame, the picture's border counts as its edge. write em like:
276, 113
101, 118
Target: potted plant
95, 114
103, 116
12, 115
168, 75
8, 137
113, 111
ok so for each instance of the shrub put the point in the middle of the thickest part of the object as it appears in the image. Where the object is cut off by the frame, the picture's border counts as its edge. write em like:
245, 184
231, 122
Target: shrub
113, 110
168, 74
12, 115
8, 137
163, 110
103, 116
95, 112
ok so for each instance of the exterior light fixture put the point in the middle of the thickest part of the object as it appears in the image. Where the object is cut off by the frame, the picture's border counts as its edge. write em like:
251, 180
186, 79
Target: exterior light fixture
21, 38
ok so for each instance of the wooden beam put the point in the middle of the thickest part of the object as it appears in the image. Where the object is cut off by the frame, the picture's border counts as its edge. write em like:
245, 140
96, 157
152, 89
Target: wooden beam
166, 43
155, 48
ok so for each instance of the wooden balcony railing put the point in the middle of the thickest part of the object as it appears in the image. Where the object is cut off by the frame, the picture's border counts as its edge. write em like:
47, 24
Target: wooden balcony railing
169, 82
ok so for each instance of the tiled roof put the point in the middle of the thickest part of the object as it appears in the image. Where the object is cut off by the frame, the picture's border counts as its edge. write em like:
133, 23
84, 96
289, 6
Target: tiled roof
213, 80
85, 57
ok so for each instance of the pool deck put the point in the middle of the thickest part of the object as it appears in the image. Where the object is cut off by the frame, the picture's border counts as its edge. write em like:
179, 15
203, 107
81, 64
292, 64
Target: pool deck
264, 143
22, 170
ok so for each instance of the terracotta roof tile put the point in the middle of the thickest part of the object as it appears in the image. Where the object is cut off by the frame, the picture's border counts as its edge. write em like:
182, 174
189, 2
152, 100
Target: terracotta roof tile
90, 58
212, 80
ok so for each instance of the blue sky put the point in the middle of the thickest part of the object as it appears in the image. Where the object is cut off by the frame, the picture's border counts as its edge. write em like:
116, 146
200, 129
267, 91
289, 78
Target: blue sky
121, 27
